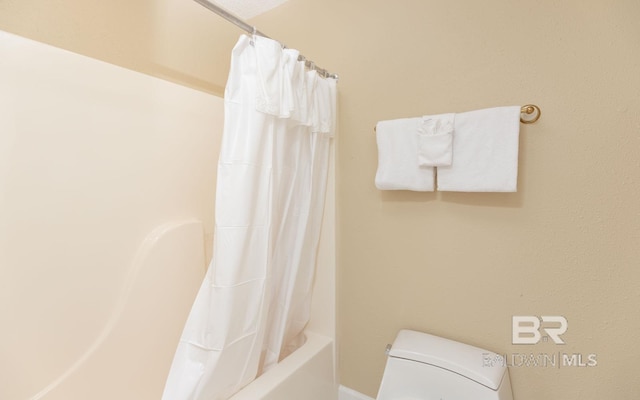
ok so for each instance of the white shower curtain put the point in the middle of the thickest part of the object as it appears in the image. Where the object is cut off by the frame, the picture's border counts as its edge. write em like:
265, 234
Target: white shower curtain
254, 302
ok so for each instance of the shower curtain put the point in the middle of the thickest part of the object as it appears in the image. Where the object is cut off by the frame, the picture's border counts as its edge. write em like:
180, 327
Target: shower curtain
254, 302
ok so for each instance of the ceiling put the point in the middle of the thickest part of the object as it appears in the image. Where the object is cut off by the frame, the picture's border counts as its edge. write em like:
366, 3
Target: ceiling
248, 8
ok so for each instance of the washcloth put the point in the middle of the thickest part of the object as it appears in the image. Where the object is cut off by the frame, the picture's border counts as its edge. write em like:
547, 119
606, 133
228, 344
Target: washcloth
485, 151
398, 168
435, 140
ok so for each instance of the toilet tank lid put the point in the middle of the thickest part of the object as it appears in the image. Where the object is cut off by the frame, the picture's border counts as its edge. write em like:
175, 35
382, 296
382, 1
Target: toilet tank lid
482, 366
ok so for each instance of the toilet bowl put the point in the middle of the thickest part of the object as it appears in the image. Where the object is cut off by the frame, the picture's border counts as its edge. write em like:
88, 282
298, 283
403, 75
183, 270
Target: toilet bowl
426, 367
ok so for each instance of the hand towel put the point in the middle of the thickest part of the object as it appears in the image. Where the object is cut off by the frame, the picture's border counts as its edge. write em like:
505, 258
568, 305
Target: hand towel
435, 140
398, 168
485, 152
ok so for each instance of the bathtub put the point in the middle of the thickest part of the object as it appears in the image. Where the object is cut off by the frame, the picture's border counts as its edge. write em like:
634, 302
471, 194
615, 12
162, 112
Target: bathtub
307, 374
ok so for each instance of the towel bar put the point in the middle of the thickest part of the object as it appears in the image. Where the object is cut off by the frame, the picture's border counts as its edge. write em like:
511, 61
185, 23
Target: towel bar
526, 109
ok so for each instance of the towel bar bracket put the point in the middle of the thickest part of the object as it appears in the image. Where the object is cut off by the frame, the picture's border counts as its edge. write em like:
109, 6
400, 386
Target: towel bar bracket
530, 109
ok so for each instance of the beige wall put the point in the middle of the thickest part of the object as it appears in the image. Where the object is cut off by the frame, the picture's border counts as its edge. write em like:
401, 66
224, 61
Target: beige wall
461, 265
454, 264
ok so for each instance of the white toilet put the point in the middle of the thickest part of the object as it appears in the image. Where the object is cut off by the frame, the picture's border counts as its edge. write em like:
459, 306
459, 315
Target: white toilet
426, 367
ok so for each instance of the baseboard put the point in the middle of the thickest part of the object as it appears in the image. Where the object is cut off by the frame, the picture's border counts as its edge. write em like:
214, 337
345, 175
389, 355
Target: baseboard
345, 393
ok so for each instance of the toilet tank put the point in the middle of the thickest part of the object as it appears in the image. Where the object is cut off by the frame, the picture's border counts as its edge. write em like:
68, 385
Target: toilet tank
426, 367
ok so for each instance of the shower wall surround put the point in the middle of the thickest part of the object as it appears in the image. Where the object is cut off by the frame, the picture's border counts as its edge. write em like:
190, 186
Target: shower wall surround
107, 180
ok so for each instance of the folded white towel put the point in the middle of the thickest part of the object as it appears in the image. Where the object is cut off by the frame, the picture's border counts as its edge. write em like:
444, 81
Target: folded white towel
485, 155
435, 140
398, 168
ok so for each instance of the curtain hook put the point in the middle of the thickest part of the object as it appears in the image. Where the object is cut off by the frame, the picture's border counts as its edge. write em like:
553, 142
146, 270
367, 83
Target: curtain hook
253, 35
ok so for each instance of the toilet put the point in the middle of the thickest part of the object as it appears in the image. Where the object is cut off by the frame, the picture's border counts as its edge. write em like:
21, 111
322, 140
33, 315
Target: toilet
426, 367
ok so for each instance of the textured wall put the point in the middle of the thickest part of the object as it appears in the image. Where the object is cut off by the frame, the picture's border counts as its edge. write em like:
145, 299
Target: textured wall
455, 264
461, 265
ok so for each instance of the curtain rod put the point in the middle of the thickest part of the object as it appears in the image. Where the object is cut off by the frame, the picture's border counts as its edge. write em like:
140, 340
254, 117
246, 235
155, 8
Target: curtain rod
252, 30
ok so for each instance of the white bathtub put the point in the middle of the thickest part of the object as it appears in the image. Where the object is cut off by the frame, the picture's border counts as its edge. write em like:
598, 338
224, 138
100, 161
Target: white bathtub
306, 374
